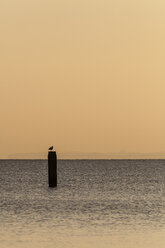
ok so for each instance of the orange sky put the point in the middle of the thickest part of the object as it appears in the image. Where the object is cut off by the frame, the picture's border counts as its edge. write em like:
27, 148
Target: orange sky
83, 75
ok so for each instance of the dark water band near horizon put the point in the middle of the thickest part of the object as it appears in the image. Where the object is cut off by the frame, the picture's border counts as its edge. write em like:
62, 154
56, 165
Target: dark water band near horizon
97, 204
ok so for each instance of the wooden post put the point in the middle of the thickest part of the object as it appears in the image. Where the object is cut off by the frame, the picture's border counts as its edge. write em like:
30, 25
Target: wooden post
52, 169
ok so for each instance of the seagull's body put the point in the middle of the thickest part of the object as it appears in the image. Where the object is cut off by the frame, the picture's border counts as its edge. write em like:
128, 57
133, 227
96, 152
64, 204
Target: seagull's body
50, 148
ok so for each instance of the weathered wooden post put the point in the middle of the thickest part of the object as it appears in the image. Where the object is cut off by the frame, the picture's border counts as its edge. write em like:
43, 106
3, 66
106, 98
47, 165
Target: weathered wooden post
52, 169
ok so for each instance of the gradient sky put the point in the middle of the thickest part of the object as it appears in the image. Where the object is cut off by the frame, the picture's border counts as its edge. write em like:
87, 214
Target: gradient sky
85, 75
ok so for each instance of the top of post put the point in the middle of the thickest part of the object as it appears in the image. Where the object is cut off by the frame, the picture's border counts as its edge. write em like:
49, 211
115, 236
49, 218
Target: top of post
51, 149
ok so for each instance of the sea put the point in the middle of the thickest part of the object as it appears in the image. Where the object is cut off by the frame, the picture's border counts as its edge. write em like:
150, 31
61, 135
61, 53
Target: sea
97, 204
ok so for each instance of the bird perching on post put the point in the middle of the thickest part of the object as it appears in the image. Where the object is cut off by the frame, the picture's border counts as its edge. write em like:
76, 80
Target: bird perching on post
50, 148
52, 167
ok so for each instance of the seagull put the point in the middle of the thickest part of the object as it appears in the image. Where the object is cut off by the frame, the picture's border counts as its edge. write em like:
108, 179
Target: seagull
50, 148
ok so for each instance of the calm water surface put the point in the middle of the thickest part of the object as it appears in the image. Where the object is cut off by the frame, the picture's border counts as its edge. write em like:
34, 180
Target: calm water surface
98, 203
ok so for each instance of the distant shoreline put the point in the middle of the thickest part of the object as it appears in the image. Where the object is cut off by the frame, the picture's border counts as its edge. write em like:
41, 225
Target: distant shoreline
84, 159
86, 156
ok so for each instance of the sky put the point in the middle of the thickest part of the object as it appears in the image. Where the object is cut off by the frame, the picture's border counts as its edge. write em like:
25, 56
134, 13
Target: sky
84, 75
